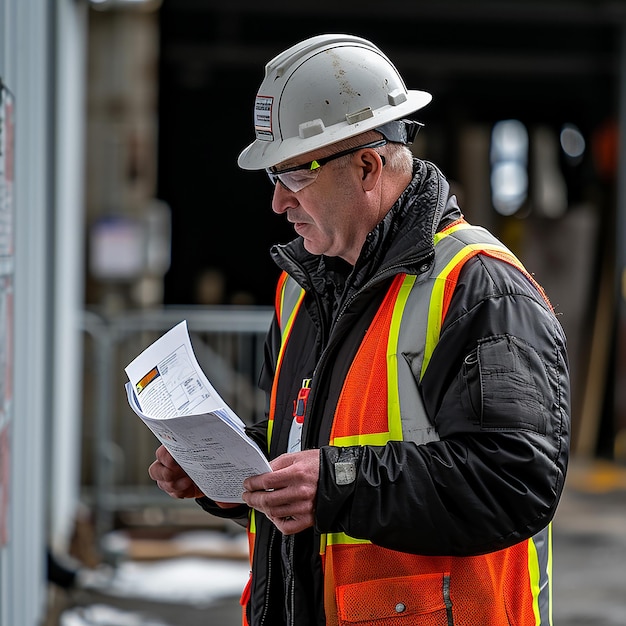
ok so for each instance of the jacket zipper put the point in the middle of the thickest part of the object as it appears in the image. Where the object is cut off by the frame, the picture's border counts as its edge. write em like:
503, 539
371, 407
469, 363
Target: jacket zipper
292, 590
266, 603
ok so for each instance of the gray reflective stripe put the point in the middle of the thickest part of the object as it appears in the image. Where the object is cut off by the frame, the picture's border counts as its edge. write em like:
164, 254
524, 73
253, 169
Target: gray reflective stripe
289, 300
416, 425
543, 545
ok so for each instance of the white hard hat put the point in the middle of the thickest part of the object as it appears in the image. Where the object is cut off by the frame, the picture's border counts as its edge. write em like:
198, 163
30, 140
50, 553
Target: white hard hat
323, 90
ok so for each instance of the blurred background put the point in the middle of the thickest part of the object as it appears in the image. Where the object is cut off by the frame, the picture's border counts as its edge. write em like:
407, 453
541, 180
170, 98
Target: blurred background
122, 212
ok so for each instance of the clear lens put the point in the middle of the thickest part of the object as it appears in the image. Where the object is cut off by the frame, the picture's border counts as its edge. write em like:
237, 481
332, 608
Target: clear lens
301, 176
296, 180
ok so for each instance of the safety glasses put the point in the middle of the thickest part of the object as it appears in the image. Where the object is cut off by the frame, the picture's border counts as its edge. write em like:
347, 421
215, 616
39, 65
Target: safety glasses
296, 178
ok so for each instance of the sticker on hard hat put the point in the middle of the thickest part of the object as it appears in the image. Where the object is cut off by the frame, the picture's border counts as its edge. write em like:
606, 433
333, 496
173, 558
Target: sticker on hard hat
263, 117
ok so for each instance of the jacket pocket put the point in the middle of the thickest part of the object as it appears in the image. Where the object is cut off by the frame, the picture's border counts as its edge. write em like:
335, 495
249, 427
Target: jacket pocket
505, 386
423, 600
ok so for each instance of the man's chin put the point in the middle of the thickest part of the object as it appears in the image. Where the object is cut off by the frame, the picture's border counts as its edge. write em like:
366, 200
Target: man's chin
308, 247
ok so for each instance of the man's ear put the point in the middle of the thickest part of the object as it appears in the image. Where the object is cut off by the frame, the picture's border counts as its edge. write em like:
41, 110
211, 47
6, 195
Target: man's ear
371, 164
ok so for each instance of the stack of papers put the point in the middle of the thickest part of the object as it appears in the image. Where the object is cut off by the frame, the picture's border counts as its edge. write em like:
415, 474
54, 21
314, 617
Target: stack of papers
168, 390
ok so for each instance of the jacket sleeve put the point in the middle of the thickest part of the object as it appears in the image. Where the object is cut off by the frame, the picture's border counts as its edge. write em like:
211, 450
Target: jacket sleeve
497, 391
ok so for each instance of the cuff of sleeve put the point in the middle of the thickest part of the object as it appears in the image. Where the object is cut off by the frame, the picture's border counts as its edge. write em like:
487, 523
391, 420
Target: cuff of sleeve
338, 478
237, 513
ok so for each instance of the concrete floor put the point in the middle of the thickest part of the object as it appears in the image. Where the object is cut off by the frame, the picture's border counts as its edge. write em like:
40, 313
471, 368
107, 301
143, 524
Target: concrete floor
589, 567
590, 548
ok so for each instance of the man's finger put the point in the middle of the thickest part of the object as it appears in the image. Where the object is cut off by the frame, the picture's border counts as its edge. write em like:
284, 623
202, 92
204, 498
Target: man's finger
163, 455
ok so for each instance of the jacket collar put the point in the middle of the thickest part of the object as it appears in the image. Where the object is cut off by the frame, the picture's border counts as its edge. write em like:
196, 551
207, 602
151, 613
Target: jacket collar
403, 237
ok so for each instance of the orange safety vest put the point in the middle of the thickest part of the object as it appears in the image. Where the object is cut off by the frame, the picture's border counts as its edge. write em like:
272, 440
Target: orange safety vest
367, 584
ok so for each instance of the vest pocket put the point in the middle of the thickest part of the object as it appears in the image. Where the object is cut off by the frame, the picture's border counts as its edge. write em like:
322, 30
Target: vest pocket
396, 601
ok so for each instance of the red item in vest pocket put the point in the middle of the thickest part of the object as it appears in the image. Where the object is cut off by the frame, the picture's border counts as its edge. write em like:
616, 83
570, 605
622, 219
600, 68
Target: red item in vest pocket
299, 408
299, 405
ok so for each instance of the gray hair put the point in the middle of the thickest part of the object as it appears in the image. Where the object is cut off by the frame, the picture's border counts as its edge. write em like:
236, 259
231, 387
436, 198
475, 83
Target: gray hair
398, 157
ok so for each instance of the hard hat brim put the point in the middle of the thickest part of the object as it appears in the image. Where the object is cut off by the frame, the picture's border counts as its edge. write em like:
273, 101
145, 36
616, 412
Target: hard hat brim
261, 154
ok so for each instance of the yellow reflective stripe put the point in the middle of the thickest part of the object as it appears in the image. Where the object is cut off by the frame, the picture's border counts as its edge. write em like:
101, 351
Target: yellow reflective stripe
435, 309
540, 580
549, 572
453, 229
285, 330
372, 439
393, 388
534, 576
333, 539
252, 523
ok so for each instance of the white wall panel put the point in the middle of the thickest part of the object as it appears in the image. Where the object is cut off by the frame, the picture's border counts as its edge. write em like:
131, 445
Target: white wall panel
40, 53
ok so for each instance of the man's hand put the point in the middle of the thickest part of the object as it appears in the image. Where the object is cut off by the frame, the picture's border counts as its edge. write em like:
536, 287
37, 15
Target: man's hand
171, 477
287, 494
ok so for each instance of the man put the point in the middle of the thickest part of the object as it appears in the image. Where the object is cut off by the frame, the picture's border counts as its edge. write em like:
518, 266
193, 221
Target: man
418, 419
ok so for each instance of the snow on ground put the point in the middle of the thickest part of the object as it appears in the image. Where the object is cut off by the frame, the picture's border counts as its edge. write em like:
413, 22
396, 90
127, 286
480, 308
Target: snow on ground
193, 581
194, 569
189, 580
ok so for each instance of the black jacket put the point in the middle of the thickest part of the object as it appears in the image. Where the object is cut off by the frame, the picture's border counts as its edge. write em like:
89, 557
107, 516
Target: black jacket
496, 389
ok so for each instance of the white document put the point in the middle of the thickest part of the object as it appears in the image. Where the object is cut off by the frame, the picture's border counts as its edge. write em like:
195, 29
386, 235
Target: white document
170, 393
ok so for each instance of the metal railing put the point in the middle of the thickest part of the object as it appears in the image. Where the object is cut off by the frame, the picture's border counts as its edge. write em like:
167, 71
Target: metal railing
117, 447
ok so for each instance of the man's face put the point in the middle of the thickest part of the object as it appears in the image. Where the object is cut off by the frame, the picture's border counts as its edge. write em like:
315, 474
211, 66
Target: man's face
329, 213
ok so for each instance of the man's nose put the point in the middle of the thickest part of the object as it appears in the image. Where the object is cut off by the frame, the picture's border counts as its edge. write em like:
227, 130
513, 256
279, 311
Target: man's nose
282, 199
